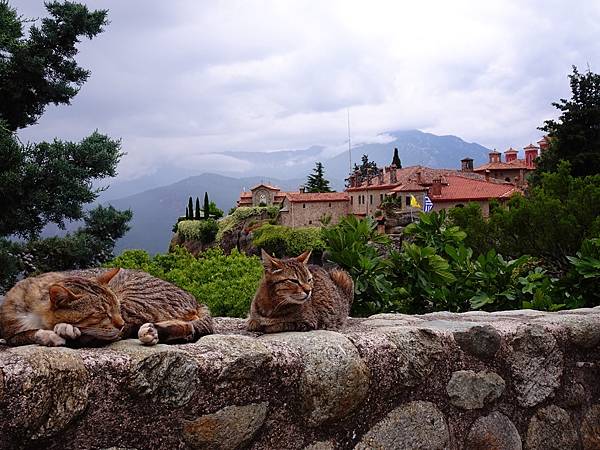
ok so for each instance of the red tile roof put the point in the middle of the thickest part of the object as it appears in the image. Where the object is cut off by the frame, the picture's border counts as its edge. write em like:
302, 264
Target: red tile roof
514, 164
305, 197
409, 187
408, 175
465, 189
268, 186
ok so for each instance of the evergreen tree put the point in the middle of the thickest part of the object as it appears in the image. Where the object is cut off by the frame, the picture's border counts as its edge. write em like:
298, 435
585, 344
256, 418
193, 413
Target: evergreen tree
214, 211
41, 69
396, 159
50, 182
191, 208
197, 217
187, 213
316, 182
206, 206
367, 168
575, 136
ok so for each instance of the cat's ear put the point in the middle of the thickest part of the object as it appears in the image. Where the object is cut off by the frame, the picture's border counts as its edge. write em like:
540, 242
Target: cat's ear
303, 258
270, 263
107, 276
60, 296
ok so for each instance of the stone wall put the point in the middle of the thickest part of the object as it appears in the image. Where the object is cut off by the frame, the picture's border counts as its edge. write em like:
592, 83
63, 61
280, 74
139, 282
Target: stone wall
298, 214
509, 380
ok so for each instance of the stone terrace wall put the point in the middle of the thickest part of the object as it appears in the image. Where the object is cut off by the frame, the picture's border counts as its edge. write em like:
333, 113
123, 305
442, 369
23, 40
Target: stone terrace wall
508, 380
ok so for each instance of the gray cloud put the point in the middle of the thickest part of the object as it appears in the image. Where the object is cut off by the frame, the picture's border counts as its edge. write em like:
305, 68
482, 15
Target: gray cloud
182, 80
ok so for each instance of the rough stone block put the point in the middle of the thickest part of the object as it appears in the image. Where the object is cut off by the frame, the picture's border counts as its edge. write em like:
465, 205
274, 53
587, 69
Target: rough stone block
470, 390
335, 380
416, 425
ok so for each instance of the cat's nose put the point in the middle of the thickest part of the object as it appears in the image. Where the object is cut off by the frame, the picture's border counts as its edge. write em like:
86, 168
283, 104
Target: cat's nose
118, 322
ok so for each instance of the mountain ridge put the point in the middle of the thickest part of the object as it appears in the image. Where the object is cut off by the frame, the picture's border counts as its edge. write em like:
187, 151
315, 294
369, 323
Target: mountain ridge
287, 169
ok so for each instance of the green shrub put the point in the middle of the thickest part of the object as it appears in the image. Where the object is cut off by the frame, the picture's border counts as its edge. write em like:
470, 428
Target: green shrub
351, 245
11, 264
204, 231
582, 281
284, 241
238, 215
225, 283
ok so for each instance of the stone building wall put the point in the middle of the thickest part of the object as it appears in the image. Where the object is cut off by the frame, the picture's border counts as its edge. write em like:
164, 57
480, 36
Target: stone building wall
483, 204
309, 213
507, 380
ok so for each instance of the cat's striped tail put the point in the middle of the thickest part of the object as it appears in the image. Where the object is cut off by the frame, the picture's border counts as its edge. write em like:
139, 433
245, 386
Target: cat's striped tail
342, 280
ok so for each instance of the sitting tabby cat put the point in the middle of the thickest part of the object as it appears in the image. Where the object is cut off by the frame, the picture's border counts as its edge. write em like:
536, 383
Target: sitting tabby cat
293, 296
93, 306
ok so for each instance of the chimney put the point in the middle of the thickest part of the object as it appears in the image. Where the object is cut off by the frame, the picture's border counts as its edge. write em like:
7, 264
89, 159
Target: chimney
487, 175
380, 176
531, 152
419, 179
543, 143
393, 178
495, 156
511, 154
436, 186
302, 189
466, 165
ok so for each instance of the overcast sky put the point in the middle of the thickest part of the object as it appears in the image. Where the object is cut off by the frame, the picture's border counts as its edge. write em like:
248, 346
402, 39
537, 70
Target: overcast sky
176, 79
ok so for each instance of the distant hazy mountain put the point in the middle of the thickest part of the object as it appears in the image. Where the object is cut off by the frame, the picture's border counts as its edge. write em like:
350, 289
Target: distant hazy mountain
158, 199
415, 147
156, 210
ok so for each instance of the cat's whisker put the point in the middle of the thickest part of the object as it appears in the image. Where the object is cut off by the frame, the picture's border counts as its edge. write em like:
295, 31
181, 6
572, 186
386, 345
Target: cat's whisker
103, 306
299, 297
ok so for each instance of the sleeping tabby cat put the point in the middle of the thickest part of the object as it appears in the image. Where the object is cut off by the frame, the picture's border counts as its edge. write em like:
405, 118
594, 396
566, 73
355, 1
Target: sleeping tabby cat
293, 296
92, 307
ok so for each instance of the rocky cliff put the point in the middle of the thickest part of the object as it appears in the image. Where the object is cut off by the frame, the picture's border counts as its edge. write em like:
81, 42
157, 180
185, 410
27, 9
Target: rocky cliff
508, 380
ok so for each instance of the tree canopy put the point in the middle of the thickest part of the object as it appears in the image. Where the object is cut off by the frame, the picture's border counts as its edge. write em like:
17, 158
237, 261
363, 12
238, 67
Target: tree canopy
396, 159
575, 135
41, 69
366, 169
316, 181
551, 222
50, 182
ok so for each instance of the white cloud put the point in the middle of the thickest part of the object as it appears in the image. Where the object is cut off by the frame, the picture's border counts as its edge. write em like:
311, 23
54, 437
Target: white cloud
190, 78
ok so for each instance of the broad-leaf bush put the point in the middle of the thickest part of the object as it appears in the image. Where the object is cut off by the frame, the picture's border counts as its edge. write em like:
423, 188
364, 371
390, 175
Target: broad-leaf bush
584, 276
351, 244
284, 241
225, 283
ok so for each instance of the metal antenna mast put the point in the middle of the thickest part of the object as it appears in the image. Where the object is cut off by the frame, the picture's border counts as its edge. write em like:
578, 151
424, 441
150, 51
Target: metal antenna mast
349, 142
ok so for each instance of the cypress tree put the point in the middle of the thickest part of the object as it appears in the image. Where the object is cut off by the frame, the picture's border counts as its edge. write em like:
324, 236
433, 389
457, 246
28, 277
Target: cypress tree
190, 208
206, 206
197, 217
187, 213
396, 159
316, 182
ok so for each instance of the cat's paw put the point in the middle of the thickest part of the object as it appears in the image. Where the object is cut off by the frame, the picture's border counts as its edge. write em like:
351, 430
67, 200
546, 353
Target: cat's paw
148, 335
253, 325
67, 331
48, 338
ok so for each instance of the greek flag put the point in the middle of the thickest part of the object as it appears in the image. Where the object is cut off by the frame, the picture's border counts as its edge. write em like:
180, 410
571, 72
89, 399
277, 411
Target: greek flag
427, 204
